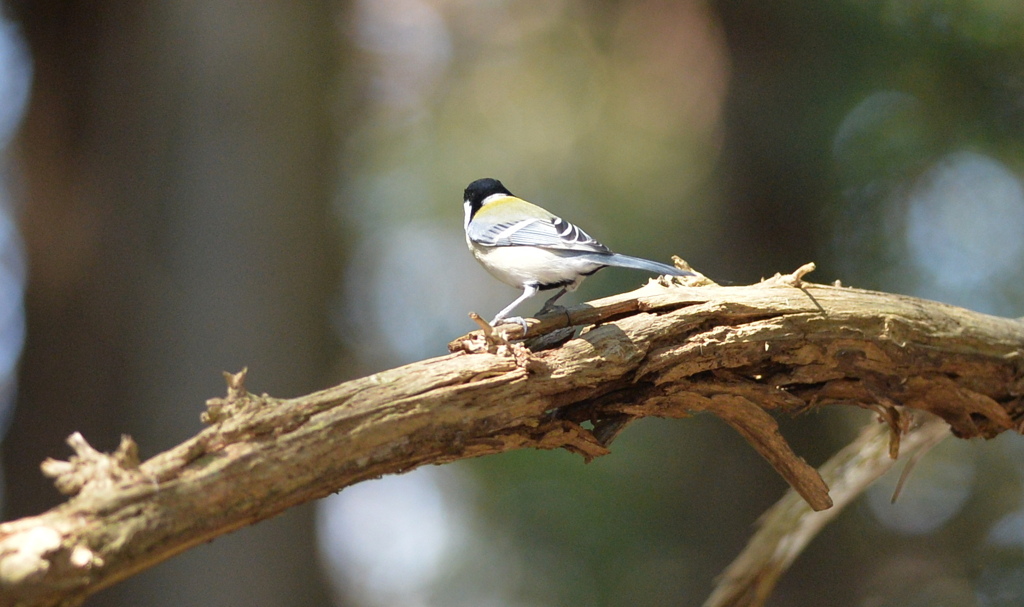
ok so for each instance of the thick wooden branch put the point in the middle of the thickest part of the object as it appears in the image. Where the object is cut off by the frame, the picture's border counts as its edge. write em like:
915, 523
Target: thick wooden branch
665, 350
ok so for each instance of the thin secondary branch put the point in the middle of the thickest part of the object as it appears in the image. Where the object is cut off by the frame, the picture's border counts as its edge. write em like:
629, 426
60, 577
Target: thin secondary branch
788, 526
668, 349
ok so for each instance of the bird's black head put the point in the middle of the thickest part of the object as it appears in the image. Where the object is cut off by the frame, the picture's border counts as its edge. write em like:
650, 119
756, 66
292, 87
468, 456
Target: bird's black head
480, 189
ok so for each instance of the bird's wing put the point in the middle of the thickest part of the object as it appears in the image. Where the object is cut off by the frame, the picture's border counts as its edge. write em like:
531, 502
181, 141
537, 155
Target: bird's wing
554, 233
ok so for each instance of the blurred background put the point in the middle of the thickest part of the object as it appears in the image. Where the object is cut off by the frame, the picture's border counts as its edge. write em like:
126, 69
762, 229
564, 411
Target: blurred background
191, 187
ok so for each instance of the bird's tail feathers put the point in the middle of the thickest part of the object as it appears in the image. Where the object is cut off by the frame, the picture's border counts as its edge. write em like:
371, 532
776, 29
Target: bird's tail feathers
636, 263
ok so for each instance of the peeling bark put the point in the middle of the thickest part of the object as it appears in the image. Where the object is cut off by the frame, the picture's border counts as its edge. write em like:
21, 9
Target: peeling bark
668, 350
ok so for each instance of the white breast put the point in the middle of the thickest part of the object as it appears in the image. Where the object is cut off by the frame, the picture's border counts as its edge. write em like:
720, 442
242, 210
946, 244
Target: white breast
520, 266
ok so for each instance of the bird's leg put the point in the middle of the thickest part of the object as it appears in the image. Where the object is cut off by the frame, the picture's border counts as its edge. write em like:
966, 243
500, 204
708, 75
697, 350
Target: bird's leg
528, 292
549, 305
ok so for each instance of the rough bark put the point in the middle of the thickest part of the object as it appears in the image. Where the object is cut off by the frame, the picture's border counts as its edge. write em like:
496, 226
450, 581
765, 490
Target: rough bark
665, 350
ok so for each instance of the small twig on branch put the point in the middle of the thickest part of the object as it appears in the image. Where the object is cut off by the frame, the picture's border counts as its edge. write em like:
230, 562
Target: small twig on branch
484, 325
666, 350
794, 279
89, 470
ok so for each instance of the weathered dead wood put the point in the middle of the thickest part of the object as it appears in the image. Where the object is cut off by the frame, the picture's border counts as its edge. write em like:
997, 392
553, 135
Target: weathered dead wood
665, 350
786, 528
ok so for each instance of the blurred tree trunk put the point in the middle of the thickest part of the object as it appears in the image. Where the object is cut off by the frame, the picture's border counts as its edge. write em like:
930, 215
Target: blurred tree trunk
177, 160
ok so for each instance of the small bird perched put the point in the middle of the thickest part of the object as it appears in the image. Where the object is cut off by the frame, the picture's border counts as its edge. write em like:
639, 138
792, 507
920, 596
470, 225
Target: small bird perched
527, 247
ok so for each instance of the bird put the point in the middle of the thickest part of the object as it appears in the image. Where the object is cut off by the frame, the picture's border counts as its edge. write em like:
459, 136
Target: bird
530, 248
